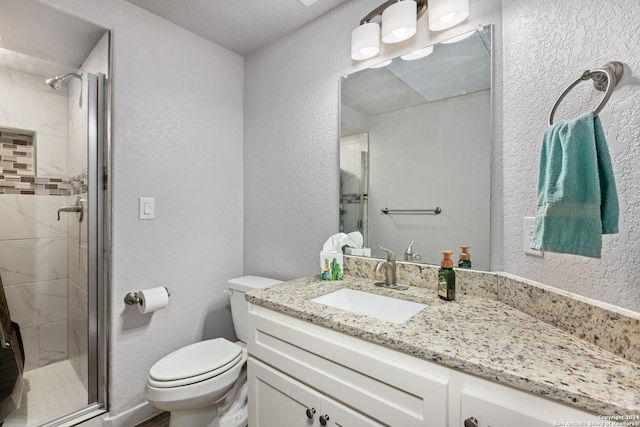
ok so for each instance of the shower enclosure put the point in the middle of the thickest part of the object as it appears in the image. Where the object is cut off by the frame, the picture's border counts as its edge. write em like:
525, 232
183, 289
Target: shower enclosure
354, 183
53, 209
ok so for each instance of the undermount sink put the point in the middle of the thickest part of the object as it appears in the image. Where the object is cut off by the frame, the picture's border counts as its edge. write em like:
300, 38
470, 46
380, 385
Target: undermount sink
379, 306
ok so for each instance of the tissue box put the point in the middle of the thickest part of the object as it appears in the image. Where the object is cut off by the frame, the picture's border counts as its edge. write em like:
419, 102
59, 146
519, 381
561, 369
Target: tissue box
331, 265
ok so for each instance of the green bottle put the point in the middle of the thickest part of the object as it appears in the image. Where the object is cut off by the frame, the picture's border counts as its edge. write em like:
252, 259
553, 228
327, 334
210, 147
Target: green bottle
465, 258
446, 278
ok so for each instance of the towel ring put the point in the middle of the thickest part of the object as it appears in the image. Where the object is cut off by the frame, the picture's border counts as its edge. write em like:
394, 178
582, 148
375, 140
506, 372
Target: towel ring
605, 79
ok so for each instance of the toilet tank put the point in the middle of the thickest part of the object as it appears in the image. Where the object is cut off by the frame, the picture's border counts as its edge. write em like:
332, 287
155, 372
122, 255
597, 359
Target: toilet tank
239, 306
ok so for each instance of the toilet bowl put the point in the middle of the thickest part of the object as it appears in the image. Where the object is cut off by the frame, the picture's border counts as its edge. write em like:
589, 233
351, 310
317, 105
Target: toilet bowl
204, 384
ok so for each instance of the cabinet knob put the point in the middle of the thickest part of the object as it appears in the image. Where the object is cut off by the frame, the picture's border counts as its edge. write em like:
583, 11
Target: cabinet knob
310, 412
471, 422
324, 419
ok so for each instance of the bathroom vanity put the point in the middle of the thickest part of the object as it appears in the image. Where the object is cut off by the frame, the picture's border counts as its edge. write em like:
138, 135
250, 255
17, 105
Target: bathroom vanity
450, 364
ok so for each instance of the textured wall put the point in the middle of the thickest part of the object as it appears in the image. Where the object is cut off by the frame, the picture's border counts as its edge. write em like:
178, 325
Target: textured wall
176, 136
547, 45
291, 135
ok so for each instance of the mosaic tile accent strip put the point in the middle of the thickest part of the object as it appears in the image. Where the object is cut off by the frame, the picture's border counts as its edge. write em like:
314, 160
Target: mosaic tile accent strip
79, 184
17, 152
18, 172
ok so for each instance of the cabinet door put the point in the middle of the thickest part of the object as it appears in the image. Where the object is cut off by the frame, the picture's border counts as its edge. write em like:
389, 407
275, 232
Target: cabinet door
341, 416
277, 400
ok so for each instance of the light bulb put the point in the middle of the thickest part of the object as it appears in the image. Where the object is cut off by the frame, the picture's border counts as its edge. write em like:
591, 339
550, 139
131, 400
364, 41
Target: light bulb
399, 21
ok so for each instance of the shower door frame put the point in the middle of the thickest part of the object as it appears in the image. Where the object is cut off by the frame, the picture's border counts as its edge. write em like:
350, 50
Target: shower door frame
98, 248
98, 242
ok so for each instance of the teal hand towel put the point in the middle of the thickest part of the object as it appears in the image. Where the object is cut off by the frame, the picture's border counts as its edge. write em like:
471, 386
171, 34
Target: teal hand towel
577, 197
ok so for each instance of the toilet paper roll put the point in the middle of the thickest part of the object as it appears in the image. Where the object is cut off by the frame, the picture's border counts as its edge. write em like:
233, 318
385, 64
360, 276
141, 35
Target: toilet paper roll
153, 299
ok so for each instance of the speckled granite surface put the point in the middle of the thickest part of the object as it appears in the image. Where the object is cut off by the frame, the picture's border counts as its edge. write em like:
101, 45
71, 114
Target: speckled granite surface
610, 328
480, 336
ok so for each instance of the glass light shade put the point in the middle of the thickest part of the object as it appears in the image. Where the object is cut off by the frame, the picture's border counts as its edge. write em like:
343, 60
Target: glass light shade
365, 41
459, 38
417, 54
445, 14
382, 64
399, 21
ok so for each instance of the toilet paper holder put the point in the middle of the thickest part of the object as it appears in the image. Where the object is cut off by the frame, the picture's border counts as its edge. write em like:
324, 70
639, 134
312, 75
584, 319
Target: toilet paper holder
132, 298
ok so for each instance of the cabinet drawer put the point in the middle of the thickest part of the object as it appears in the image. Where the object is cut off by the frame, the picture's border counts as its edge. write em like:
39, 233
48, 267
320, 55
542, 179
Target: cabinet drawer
493, 405
385, 385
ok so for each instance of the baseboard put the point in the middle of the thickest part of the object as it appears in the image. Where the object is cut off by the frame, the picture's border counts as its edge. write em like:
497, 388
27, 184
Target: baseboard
132, 417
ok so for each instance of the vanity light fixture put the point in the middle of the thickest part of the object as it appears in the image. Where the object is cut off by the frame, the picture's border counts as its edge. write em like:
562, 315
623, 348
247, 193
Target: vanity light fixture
399, 23
382, 64
459, 38
445, 14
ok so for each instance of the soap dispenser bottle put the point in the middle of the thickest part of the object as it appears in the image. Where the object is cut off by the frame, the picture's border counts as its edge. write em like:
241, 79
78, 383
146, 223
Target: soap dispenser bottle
465, 258
446, 278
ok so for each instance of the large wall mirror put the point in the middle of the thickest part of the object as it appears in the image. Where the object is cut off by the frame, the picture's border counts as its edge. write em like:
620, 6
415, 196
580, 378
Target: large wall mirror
415, 150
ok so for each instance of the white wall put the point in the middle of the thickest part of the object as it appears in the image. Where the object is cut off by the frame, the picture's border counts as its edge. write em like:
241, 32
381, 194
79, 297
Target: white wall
291, 135
176, 136
547, 45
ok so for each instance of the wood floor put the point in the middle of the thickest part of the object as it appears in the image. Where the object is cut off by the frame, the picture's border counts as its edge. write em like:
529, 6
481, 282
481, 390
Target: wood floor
161, 420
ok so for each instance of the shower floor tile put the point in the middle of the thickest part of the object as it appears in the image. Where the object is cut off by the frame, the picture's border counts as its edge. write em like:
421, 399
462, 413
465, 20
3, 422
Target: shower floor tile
48, 392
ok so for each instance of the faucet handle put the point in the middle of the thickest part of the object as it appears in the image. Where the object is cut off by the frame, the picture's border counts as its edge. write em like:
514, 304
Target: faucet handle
390, 256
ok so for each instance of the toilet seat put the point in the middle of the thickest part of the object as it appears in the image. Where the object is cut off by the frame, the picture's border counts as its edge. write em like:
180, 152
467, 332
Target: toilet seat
195, 363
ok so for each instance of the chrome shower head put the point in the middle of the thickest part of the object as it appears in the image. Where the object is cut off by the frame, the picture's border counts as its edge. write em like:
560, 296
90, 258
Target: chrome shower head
56, 82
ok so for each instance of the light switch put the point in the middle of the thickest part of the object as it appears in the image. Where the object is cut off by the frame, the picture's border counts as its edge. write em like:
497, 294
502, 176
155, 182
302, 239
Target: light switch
527, 232
146, 208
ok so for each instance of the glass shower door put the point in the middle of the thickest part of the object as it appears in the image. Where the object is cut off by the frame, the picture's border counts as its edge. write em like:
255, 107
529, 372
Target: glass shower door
52, 206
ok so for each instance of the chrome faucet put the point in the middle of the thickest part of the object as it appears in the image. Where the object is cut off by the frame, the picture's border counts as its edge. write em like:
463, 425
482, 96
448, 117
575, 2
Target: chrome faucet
389, 268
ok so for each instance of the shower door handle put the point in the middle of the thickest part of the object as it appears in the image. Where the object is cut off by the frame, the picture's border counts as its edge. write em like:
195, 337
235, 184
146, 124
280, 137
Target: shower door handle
78, 208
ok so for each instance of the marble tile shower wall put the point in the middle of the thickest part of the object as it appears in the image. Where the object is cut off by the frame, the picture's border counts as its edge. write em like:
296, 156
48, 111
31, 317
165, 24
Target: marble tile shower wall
33, 244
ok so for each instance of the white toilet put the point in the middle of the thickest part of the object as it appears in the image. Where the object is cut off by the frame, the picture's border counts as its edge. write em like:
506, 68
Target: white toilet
205, 384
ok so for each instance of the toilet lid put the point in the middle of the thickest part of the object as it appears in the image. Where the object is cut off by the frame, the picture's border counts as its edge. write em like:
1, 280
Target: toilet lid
195, 359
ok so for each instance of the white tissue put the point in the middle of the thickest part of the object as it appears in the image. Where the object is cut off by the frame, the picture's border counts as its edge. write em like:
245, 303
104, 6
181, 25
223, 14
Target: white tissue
335, 243
355, 240
153, 299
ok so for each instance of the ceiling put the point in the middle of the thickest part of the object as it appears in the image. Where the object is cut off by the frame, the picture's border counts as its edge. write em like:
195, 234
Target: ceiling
40, 40
242, 26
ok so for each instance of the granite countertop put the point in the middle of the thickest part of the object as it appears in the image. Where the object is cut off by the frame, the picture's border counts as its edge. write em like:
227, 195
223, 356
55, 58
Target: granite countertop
478, 336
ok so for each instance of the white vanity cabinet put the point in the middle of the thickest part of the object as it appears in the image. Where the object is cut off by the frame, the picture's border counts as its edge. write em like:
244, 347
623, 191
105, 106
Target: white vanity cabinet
295, 366
289, 358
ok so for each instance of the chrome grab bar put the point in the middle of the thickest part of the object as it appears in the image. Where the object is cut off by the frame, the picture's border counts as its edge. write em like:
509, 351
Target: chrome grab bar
78, 208
435, 211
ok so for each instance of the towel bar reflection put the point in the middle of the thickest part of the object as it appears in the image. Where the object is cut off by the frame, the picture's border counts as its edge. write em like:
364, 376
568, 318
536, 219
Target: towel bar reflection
435, 211
605, 79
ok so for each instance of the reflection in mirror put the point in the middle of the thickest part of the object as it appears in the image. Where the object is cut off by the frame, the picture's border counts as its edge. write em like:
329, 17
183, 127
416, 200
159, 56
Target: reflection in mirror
416, 135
